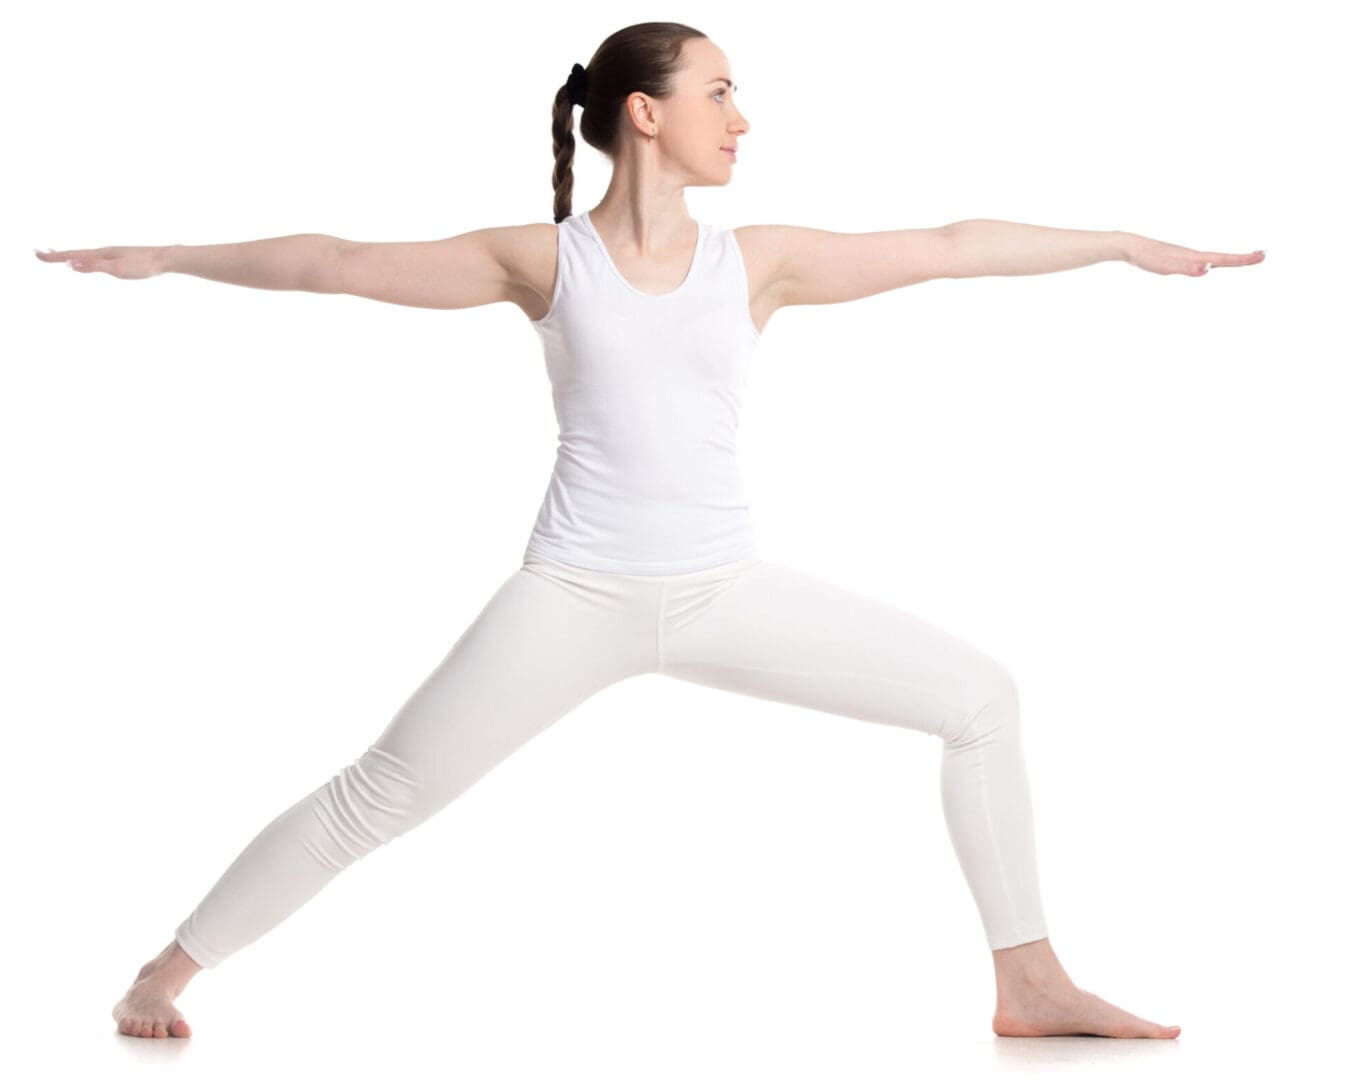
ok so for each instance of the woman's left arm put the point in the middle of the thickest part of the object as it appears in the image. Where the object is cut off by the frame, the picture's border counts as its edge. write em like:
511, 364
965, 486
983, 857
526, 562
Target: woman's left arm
982, 247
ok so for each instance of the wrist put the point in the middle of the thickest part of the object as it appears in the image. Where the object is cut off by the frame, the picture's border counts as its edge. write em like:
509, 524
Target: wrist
164, 261
1124, 246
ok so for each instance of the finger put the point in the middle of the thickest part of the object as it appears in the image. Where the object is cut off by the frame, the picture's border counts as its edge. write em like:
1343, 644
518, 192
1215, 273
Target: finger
1218, 258
84, 255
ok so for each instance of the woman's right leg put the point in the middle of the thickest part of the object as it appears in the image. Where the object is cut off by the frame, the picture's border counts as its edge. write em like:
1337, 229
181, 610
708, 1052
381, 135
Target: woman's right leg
542, 644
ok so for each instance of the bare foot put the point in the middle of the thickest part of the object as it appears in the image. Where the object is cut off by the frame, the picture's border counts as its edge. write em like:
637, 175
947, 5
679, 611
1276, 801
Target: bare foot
1066, 1010
146, 1010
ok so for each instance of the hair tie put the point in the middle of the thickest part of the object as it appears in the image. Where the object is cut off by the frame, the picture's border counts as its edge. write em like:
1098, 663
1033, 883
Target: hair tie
576, 85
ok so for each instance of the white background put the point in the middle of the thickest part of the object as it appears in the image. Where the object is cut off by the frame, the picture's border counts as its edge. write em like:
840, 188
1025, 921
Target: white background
243, 525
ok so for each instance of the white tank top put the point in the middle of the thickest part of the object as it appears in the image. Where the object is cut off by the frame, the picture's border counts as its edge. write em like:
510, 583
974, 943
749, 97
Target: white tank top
647, 390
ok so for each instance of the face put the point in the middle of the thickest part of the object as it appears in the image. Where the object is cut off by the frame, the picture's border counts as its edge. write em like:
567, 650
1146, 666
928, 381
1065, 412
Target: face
699, 120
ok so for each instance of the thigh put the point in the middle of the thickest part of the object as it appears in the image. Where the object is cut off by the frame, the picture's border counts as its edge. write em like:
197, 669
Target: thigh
536, 650
786, 635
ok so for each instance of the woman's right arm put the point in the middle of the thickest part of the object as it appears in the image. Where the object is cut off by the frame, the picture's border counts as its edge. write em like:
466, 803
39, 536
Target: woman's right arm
302, 262
485, 266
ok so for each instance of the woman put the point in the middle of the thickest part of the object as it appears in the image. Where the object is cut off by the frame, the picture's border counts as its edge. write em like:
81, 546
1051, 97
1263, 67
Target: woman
643, 556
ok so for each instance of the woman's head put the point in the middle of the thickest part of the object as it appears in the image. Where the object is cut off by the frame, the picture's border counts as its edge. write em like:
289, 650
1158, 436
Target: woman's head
658, 92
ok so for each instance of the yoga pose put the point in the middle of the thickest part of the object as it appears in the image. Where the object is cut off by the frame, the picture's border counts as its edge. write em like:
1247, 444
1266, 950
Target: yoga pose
643, 557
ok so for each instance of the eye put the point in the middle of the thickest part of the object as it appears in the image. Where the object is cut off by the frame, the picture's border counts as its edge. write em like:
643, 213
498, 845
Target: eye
719, 92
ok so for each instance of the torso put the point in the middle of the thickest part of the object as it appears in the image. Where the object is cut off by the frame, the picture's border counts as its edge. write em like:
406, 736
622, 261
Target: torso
537, 274
648, 360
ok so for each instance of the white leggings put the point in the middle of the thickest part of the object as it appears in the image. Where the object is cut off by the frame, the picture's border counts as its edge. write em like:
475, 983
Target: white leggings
553, 634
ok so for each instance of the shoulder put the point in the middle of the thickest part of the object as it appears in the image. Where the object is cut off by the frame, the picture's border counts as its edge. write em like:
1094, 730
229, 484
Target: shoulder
771, 247
518, 247
767, 251
527, 255
774, 243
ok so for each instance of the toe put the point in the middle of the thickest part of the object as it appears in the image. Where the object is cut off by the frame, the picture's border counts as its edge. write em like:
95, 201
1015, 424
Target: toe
180, 1028
161, 1032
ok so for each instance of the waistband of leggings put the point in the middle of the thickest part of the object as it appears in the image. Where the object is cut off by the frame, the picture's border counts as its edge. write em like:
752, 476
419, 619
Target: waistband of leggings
720, 570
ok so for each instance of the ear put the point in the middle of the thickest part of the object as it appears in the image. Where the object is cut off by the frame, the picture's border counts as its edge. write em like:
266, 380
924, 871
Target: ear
642, 110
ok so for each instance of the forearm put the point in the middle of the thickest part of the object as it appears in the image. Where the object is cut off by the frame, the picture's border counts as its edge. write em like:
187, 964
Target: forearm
303, 262
984, 247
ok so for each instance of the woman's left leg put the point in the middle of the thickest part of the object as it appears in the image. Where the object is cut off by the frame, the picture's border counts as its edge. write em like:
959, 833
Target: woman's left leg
779, 633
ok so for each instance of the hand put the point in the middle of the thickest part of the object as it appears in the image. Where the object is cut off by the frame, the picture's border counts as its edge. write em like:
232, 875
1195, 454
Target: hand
129, 263
1162, 258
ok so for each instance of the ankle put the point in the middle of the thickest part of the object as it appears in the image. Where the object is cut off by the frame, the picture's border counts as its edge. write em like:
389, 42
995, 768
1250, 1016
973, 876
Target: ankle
172, 967
1032, 966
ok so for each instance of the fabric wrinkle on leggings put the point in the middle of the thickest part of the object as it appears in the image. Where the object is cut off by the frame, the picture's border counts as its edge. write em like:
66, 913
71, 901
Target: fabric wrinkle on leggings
552, 635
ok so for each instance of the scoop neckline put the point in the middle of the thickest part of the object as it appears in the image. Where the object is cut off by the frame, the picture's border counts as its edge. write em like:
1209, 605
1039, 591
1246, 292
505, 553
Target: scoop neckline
693, 265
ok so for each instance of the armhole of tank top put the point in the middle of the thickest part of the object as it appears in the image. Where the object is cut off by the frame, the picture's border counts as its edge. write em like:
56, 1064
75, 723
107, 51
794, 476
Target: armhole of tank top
744, 277
557, 282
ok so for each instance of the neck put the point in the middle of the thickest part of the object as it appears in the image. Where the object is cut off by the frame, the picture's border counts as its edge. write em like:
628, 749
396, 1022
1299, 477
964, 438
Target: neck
643, 218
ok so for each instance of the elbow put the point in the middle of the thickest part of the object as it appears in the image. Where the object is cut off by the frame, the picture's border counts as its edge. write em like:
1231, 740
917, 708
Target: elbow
329, 268
957, 262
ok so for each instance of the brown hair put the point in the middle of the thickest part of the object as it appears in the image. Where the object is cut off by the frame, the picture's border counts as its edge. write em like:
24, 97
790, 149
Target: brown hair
642, 58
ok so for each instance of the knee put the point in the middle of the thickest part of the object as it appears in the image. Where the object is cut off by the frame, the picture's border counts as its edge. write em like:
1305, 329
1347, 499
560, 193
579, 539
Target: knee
995, 711
370, 802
